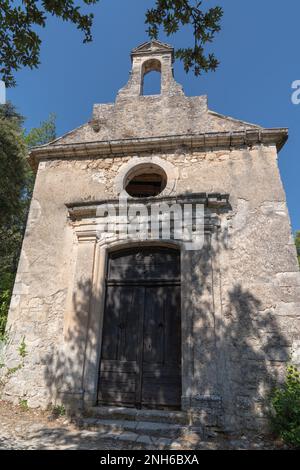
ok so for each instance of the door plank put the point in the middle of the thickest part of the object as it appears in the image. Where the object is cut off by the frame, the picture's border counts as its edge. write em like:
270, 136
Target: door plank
120, 344
162, 347
141, 347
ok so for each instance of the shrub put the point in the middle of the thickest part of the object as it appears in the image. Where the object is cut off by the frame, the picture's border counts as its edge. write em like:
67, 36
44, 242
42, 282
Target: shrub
285, 401
58, 410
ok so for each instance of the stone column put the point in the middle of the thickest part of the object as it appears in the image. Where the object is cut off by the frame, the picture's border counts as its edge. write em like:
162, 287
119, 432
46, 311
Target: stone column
94, 335
77, 320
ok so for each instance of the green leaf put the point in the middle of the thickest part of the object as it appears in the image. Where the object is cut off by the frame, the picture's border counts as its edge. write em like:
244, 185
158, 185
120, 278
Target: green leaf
171, 15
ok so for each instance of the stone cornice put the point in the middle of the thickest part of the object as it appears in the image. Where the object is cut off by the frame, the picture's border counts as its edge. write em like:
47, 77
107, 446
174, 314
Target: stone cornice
214, 201
108, 148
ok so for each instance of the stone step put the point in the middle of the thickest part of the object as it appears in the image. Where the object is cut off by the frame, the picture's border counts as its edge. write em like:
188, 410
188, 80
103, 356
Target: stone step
126, 440
149, 428
132, 414
117, 437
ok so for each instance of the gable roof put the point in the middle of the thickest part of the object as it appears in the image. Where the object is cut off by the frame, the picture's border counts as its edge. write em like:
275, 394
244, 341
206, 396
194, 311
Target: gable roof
135, 123
153, 47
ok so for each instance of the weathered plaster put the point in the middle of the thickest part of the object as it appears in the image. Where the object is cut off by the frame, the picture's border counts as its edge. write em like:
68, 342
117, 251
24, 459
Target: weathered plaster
240, 293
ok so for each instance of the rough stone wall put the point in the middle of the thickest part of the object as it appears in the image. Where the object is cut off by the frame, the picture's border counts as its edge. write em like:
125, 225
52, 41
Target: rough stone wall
253, 318
146, 116
136, 116
243, 294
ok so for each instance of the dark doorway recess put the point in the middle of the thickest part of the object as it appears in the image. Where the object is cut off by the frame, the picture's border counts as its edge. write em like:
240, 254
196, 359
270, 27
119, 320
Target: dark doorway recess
141, 345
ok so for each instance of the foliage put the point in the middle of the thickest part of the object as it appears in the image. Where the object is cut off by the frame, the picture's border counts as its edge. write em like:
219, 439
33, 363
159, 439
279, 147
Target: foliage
12, 165
16, 185
8, 111
12, 184
297, 241
58, 410
22, 353
22, 348
43, 134
23, 404
20, 42
13, 370
171, 15
286, 406
4, 305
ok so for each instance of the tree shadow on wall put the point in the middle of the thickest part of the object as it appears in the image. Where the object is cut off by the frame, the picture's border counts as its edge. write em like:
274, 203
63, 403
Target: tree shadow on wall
66, 364
234, 350
238, 349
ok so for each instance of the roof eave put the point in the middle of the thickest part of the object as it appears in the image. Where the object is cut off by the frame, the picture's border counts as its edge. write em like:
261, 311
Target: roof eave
235, 139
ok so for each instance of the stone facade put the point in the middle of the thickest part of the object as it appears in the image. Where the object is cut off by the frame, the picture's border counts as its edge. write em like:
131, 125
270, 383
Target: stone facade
240, 293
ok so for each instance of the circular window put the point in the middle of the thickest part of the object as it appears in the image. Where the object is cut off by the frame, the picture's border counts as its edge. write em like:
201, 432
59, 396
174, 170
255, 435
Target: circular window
146, 181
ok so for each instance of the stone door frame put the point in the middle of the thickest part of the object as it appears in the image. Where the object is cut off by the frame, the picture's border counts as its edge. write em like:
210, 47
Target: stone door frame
100, 253
81, 370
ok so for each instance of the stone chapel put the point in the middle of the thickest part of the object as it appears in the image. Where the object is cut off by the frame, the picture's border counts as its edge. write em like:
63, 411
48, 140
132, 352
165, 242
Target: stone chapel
148, 324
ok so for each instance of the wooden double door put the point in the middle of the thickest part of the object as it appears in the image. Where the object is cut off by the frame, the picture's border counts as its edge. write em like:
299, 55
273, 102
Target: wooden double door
141, 344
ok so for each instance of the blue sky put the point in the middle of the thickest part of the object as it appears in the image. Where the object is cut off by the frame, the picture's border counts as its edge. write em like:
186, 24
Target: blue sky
258, 48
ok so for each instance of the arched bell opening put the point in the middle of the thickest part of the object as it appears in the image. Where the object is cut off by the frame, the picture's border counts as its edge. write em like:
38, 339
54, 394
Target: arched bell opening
151, 77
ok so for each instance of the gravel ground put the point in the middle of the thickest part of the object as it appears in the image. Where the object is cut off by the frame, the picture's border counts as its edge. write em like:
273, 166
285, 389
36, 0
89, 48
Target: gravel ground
34, 429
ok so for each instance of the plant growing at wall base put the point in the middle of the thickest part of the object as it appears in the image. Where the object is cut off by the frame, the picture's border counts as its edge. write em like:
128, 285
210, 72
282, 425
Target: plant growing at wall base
23, 404
22, 348
22, 353
58, 410
285, 401
13, 370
